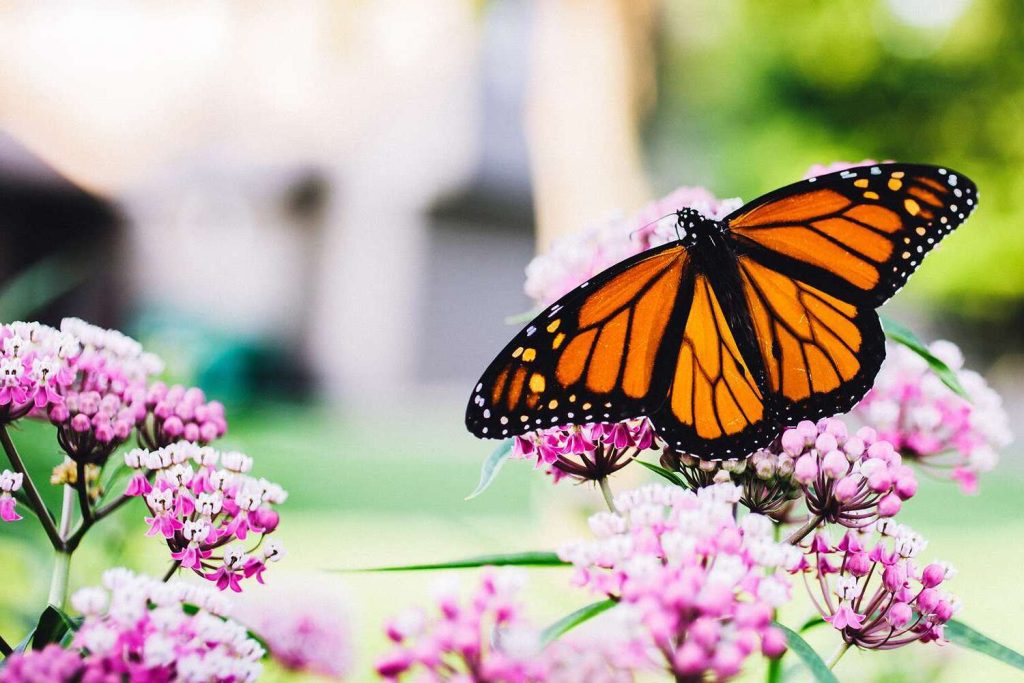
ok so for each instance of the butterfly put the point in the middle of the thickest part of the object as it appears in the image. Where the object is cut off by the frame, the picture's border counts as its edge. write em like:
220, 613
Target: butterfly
738, 328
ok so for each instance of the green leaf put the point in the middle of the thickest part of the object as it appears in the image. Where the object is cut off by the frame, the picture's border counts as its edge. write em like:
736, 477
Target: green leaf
527, 559
965, 636
53, 625
491, 466
816, 620
571, 621
661, 472
808, 656
902, 335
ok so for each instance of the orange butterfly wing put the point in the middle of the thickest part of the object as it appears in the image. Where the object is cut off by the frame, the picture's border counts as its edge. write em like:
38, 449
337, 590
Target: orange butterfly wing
591, 357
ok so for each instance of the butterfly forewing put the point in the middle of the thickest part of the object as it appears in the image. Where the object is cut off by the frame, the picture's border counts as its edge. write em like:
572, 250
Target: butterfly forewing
591, 356
858, 233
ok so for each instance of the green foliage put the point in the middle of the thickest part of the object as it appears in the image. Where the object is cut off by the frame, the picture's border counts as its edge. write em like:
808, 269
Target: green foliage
526, 559
491, 467
965, 636
902, 335
571, 621
810, 659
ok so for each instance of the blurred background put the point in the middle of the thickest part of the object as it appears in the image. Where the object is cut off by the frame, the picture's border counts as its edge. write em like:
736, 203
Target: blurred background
320, 213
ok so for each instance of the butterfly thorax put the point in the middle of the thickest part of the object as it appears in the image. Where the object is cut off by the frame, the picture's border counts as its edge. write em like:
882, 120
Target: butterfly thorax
695, 228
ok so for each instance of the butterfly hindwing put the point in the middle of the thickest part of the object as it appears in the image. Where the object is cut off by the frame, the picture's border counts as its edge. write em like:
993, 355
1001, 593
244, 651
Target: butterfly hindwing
858, 233
591, 356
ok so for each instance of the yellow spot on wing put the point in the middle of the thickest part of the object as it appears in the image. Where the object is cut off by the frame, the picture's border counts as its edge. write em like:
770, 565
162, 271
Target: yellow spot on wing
553, 404
554, 325
529, 355
518, 352
870, 195
863, 182
537, 383
913, 208
559, 338
895, 184
898, 174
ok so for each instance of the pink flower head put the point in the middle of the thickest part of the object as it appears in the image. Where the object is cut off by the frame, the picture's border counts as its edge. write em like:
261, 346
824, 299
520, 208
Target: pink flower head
580, 255
587, 452
201, 500
176, 413
871, 590
9, 483
305, 628
932, 425
36, 364
849, 479
702, 585
141, 629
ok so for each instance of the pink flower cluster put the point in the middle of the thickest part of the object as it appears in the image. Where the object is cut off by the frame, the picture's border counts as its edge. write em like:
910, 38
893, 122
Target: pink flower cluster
587, 452
102, 401
580, 255
765, 476
35, 366
485, 637
305, 627
702, 584
140, 629
847, 479
9, 483
176, 413
200, 500
928, 422
870, 588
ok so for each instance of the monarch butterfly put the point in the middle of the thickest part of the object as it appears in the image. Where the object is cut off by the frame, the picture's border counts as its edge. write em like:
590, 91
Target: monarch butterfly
738, 328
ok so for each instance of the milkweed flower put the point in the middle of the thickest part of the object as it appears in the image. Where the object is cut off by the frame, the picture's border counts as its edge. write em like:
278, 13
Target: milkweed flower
849, 479
36, 364
177, 413
140, 629
484, 637
9, 483
585, 452
765, 476
305, 628
201, 500
578, 256
103, 398
932, 425
702, 584
871, 589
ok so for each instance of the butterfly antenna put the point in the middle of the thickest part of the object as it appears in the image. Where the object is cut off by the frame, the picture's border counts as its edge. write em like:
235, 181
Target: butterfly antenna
654, 222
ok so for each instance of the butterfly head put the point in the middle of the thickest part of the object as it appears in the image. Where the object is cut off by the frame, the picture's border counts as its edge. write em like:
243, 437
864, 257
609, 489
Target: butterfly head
693, 226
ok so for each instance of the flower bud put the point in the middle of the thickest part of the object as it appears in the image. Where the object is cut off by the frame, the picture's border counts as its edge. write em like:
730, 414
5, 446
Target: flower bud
773, 643
899, 615
933, 575
806, 469
835, 464
889, 505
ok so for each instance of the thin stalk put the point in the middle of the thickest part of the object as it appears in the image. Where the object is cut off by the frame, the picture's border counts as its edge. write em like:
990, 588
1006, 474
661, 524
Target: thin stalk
837, 655
83, 493
803, 531
35, 500
774, 673
62, 556
175, 566
5, 648
606, 491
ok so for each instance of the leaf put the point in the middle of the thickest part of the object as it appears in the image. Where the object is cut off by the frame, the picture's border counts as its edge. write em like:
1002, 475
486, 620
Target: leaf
527, 559
53, 625
902, 335
816, 620
808, 656
491, 466
571, 621
661, 472
965, 636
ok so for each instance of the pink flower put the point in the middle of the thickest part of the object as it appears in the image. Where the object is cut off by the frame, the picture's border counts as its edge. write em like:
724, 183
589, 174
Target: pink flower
176, 413
701, 584
9, 483
141, 629
306, 627
585, 453
870, 588
847, 479
201, 500
36, 364
929, 423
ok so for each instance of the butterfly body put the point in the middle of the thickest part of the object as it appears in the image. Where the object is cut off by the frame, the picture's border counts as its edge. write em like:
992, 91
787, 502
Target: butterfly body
738, 328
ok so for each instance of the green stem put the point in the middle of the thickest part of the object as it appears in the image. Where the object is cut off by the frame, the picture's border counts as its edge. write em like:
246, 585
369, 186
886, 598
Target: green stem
606, 491
175, 566
802, 532
837, 655
35, 500
62, 557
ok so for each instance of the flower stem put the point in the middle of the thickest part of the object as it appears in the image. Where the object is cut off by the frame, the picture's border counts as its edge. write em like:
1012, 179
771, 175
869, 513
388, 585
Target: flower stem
837, 655
803, 531
35, 500
606, 491
175, 566
5, 648
62, 557
83, 493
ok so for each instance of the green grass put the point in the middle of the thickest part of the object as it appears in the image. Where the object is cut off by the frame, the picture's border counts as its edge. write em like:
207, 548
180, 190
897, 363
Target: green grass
381, 490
